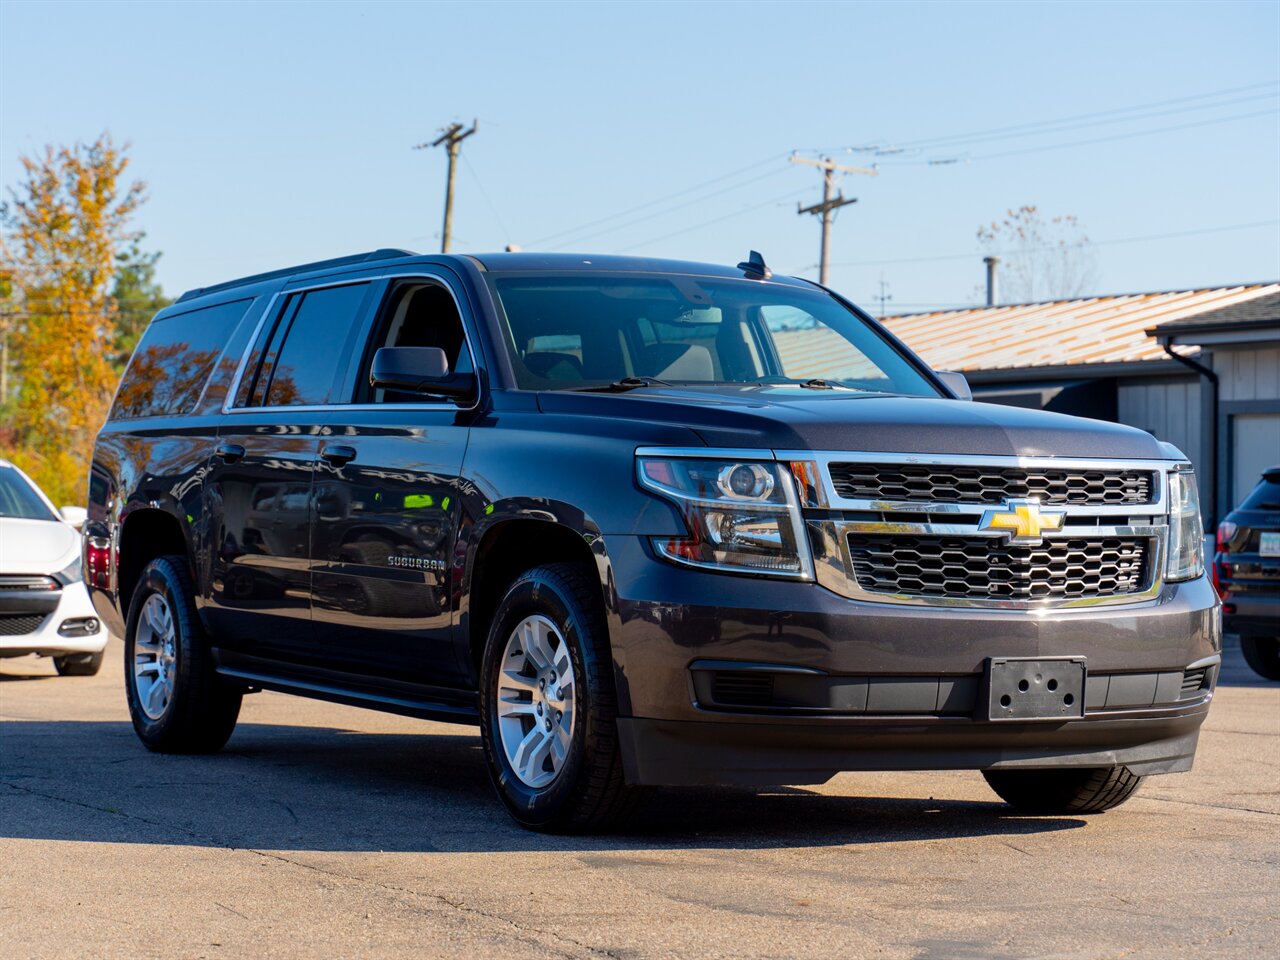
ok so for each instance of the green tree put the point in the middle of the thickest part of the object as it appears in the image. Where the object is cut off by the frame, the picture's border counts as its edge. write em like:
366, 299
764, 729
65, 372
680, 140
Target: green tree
137, 297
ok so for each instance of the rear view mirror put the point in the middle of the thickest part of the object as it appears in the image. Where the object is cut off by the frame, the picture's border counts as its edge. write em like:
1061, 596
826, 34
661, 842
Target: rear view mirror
76, 516
956, 383
419, 370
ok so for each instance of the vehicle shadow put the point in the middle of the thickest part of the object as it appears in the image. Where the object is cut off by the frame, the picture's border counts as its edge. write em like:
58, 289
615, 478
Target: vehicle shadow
1235, 671
325, 789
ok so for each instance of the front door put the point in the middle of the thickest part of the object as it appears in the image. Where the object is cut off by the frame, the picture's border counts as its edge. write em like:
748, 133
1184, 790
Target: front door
386, 507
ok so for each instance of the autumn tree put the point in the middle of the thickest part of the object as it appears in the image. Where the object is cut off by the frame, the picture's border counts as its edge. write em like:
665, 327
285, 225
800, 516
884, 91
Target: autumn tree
1040, 258
65, 228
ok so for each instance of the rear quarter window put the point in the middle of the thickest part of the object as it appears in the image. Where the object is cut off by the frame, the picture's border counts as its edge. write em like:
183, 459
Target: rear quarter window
173, 361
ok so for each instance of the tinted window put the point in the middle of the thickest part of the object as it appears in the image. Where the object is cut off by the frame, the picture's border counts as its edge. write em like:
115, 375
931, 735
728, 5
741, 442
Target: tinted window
1265, 496
571, 332
174, 360
314, 329
19, 500
418, 315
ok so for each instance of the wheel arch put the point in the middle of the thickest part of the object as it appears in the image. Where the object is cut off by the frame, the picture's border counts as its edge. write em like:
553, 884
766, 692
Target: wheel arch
146, 533
515, 537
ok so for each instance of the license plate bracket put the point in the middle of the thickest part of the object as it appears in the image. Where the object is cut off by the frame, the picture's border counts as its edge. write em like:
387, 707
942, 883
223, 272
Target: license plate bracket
1269, 544
1024, 689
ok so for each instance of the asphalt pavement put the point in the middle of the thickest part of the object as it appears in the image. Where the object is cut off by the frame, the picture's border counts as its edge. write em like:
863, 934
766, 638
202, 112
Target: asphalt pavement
327, 831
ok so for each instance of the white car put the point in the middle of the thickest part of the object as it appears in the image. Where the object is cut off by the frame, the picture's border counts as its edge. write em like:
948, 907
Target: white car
44, 607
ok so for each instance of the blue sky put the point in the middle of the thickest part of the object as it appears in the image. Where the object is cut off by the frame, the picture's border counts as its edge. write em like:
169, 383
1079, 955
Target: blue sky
275, 133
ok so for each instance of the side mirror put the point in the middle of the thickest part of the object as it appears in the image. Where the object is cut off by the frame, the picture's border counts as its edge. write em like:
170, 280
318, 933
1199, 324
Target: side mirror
956, 383
419, 370
76, 516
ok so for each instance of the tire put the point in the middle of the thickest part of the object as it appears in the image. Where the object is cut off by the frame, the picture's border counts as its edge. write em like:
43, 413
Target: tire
1262, 654
194, 711
1064, 791
78, 664
558, 609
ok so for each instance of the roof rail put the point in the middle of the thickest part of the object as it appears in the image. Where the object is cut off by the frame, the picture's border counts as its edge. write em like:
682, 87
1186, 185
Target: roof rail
387, 253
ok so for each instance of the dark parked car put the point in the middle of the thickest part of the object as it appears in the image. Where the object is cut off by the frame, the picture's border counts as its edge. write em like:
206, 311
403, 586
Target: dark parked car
645, 522
1247, 574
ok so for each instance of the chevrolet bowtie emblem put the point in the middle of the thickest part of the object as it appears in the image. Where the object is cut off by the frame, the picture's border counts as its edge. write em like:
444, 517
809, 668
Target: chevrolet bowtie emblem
1023, 519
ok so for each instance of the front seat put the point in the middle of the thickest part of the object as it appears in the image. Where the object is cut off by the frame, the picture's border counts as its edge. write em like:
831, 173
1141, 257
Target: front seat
678, 361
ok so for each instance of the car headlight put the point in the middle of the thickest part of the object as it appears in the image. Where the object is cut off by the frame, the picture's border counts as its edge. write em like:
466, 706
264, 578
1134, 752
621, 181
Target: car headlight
742, 516
1186, 536
71, 573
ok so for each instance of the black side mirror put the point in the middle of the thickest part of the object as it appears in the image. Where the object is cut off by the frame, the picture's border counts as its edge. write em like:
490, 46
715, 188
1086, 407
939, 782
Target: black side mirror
419, 370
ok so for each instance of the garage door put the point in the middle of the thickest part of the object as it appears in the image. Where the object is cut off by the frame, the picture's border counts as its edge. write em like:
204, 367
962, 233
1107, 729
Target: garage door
1256, 446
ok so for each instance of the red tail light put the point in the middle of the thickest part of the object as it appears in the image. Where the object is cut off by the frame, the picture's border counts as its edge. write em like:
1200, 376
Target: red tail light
1226, 532
97, 557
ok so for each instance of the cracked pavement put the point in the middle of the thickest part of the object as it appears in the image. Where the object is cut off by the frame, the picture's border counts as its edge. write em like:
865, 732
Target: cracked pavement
327, 831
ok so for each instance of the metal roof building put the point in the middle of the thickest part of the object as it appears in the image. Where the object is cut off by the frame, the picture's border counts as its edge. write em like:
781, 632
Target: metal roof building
1110, 357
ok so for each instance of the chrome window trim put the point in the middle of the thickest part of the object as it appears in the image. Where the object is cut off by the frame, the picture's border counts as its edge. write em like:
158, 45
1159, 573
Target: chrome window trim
228, 404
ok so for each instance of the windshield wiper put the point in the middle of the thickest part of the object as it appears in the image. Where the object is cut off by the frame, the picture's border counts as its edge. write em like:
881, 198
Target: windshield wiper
626, 383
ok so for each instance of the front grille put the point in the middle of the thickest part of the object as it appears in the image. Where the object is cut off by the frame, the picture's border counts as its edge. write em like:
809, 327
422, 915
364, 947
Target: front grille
19, 624
11, 581
990, 485
986, 568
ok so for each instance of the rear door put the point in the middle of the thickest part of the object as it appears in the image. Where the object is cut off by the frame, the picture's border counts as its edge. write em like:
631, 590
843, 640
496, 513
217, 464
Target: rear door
386, 504
260, 484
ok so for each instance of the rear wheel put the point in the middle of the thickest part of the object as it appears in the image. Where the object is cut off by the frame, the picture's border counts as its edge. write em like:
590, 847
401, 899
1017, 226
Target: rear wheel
1064, 791
548, 706
176, 700
1262, 654
78, 664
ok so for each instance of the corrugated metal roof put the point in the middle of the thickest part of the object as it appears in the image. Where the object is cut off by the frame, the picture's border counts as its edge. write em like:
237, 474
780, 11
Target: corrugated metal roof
1058, 333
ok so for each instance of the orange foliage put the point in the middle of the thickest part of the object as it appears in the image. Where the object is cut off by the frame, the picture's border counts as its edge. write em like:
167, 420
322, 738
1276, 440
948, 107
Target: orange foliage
67, 222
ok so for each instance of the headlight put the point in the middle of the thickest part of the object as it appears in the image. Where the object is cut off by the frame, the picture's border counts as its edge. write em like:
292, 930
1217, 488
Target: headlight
72, 573
1186, 536
742, 515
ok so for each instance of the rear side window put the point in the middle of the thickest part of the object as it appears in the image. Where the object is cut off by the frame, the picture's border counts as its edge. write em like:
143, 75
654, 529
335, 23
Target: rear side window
173, 361
305, 353
1266, 495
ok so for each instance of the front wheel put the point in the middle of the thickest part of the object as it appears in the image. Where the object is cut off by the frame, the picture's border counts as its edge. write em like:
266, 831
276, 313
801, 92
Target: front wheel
1064, 791
548, 707
1262, 654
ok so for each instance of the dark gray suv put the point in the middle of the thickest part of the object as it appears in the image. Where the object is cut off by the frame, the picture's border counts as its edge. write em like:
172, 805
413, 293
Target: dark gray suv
644, 522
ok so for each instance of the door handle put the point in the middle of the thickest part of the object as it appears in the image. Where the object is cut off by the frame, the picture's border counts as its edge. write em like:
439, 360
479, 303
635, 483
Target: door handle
229, 452
338, 454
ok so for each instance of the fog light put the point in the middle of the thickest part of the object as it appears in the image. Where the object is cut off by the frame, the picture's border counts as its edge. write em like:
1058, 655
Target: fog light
79, 627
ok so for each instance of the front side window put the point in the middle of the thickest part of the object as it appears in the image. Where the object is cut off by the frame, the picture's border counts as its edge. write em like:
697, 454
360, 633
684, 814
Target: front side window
18, 500
575, 332
416, 314
305, 352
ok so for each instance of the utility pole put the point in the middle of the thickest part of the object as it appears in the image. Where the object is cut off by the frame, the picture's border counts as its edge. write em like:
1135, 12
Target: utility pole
885, 295
831, 202
452, 137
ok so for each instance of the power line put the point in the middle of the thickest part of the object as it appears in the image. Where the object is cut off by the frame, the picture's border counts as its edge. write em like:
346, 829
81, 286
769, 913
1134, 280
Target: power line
485, 193
707, 223
1015, 129
1091, 243
668, 210
671, 196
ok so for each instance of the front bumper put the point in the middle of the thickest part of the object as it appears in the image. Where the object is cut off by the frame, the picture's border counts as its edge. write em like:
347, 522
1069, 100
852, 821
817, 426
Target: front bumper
73, 607
666, 620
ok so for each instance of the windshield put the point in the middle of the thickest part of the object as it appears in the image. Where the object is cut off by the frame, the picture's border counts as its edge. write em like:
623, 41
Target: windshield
578, 332
19, 500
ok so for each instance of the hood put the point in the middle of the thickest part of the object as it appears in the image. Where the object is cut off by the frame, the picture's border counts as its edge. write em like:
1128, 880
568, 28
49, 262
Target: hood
37, 546
791, 418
